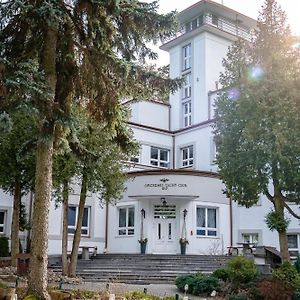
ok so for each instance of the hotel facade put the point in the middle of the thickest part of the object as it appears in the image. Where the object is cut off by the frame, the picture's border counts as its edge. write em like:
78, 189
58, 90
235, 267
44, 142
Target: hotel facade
173, 190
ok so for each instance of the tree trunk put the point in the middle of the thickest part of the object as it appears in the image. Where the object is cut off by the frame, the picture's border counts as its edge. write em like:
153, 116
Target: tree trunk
39, 239
283, 241
15, 226
37, 280
65, 229
77, 235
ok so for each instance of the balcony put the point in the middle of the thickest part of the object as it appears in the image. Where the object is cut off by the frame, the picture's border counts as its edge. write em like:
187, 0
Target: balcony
225, 25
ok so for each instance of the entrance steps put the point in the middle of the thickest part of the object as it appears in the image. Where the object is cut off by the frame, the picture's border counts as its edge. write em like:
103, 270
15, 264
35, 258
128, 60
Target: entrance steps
146, 268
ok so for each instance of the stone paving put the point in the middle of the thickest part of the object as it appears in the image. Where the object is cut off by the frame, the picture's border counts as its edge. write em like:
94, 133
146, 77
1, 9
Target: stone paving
161, 290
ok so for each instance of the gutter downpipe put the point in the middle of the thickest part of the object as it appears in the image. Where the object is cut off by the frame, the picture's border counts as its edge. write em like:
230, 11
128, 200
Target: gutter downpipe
106, 229
231, 222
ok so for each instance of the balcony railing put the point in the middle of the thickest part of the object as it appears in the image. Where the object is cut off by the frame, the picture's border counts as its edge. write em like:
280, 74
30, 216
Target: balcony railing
215, 21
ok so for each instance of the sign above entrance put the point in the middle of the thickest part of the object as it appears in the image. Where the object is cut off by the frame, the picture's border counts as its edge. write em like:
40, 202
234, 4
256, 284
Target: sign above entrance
165, 185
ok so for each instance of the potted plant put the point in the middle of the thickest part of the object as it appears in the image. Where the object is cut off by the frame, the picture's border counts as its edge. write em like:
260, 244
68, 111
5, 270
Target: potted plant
183, 242
143, 242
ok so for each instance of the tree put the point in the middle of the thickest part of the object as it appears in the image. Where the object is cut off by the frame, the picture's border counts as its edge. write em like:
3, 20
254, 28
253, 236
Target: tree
258, 120
58, 52
17, 162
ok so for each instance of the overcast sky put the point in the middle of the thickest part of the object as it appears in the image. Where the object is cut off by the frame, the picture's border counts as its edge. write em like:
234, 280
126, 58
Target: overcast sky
250, 8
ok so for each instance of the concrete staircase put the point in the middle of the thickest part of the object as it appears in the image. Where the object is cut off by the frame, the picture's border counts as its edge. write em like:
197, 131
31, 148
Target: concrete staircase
147, 268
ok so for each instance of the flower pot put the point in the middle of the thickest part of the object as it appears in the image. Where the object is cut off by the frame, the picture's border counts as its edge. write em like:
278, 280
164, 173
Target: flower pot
143, 248
183, 249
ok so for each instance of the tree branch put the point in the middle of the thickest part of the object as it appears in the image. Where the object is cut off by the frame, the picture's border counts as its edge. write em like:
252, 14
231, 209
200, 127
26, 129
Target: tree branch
269, 196
291, 211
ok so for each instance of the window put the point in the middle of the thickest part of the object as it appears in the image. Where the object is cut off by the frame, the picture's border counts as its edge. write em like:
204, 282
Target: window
72, 220
293, 245
2, 221
187, 156
187, 114
187, 86
186, 57
206, 221
134, 159
159, 157
126, 221
251, 238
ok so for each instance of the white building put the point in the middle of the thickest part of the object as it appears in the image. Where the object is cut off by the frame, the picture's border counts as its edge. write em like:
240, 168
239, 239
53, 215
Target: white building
173, 189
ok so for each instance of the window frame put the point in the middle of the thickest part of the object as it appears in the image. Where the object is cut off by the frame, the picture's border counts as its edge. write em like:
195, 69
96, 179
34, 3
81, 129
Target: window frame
190, 159
73, 227
206, 229
129, 230
187, 114
159, 162
251, 237
294, 249
3, 225
186, 57
186, 91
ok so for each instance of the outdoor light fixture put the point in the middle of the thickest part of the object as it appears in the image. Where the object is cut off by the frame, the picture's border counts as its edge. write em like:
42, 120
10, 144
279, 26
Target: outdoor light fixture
164, 202
143, 213
184, 213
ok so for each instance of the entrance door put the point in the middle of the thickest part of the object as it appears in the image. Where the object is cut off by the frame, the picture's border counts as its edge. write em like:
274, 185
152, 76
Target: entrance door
165, 233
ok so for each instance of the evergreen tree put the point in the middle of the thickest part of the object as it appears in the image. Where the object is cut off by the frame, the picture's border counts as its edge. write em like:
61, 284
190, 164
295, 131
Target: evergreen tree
57, 52
258, 120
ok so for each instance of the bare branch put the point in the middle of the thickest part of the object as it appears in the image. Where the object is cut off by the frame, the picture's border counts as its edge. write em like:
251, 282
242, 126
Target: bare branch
291, 211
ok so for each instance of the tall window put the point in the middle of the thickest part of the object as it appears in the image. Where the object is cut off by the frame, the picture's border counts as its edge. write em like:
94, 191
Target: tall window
72, 220
251, 238
126, 220
187, 86
206, 221
187, 113
293, 245
2, 221
159, 157
187, 156
186, 57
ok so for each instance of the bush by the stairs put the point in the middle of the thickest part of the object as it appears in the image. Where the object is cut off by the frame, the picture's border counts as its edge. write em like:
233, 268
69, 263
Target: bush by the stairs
190, 280
287, 273
241, 271
4, 251
198, 284
221, 274
206, 285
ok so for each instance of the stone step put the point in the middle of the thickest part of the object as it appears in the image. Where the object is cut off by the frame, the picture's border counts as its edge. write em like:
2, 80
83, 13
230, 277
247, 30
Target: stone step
148, 268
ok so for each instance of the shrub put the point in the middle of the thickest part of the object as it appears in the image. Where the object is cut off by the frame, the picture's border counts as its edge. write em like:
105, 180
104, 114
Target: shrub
287, 273
297, 264
239, 296
138, 295
4, 252
190, 280
205, 285
241, 270
274, 289
221, 274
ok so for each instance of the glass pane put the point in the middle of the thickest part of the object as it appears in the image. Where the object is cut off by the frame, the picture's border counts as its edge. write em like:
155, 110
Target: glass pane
85, 217
170, 231
131, 217
71, 215
163, 164
254, 239
154, 163
246, 238
200, 217
191, 152
1, 217
211, 233
122, 217
211, 218
154, 153
293, 253
164, 155
130, 231
184, 153
185, 106
84, 231
159, 231
2, 229
292, 241
122, 232
71, 230
200, 232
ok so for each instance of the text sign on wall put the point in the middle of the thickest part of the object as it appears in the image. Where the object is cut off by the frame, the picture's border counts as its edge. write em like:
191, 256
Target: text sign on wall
165, 186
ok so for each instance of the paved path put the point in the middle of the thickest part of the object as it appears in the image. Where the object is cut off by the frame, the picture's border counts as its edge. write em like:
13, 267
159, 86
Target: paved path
161, 290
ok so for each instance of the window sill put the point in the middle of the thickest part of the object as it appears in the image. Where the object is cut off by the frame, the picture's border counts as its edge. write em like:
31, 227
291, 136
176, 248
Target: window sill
207, 237
124, 236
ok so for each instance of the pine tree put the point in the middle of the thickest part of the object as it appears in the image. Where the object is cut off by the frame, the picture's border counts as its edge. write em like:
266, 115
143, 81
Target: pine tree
57, 52
258, 120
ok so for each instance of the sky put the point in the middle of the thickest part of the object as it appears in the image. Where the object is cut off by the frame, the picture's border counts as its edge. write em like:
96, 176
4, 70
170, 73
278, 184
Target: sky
249, 8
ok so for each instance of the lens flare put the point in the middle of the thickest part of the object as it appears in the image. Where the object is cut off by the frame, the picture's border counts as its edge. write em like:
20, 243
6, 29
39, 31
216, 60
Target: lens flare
296, 45
256, 73
233, 94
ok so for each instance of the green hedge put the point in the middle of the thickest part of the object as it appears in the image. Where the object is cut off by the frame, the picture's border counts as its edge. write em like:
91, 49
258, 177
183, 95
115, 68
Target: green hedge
4, 250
